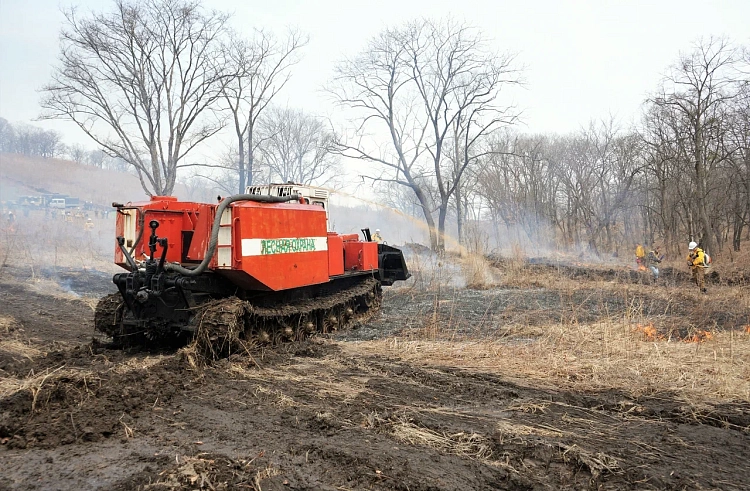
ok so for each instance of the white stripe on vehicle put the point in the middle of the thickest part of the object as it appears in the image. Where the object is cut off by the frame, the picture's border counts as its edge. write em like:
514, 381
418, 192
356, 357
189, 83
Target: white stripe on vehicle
264, 247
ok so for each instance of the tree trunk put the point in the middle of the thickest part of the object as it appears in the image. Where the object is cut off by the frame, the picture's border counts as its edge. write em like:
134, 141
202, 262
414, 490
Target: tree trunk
241, 163
739, 224
700, 175
442, 214
246, 173
424, 204
459, 216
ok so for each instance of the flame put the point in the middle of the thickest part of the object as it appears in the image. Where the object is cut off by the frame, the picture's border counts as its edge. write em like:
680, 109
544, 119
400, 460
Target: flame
699, 337
649, 332
641, 268
747, 329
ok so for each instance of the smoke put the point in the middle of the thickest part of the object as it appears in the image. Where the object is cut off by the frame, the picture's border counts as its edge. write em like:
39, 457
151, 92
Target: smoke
38, 240
395, 227
67, 287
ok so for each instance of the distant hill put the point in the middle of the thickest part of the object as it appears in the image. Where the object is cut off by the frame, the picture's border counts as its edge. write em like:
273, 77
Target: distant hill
21, 175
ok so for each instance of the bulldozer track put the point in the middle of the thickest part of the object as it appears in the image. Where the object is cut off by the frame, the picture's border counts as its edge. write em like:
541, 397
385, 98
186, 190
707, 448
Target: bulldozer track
228, 326
108, 314
231, 325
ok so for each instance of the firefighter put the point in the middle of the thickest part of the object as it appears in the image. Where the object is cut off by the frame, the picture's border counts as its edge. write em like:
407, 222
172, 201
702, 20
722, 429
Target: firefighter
697, 261
89, 225
376, 236
654, 257
11, 221
640, 256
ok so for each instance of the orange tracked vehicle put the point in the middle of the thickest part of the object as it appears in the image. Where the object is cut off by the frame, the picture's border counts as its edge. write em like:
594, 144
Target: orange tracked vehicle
266, 257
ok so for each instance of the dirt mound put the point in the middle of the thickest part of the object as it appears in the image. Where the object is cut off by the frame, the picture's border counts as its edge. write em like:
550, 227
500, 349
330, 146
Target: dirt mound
83, 401
415, 248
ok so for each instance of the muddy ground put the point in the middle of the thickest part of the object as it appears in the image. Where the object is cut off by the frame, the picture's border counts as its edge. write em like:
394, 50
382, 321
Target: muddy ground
324, 414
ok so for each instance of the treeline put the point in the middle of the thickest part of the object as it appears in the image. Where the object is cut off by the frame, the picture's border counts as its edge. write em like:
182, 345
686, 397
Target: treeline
33, 141
682, 173
28, 140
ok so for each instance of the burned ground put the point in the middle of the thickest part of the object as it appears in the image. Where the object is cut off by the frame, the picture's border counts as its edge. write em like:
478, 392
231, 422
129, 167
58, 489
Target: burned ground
398, 403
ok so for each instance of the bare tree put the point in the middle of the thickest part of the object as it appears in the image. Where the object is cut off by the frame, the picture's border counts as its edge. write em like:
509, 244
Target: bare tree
142, 82
224, 176
49, 143
737, 143
260, 68
429, 86
518, 183
77, 153
378, 86
200, 188
399, 198
97, 158
459, 80
7, 136
26, 140
696, 94
297, 147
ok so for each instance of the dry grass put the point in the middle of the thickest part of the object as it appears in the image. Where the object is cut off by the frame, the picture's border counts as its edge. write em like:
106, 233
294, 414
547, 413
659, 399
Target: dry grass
508, 430
464, 444
592, 357
276, 396
138, 363
403, 429
720, 296
8, 324
477, 272
18, 348
37, 382
464, 269
45, 242
34, 382
327, 384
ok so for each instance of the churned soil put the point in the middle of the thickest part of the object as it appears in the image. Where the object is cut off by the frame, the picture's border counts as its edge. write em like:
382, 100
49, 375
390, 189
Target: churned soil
326, 414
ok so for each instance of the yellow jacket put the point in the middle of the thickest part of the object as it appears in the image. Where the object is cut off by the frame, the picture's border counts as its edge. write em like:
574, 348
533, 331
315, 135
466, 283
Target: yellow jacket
696, 257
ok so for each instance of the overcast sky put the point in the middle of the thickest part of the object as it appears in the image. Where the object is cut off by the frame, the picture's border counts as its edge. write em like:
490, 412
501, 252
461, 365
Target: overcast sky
584, 60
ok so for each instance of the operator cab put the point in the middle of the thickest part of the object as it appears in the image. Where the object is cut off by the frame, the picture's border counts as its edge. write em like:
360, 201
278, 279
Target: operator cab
312, 194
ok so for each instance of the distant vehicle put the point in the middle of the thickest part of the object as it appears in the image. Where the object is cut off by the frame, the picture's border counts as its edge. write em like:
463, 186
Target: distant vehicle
63, 202
71, 202
33, 201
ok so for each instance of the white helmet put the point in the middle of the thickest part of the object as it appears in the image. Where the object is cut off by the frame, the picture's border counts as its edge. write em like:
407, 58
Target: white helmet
377, 230
692, 246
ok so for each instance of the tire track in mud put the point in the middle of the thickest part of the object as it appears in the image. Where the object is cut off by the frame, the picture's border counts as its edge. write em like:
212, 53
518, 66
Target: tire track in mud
541, 429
